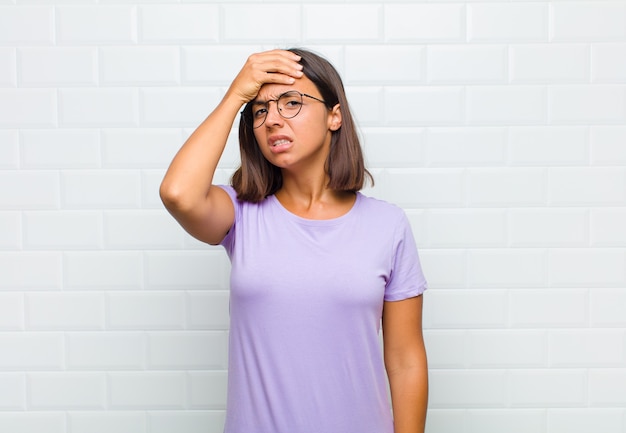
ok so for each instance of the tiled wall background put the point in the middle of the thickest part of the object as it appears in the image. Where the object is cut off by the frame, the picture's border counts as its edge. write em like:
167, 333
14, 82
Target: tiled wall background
500, 126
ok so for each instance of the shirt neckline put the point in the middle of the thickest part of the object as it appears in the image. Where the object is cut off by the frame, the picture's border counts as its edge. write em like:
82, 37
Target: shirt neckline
317, 222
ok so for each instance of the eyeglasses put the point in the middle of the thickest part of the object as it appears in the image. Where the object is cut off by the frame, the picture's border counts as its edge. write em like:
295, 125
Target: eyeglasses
289, 105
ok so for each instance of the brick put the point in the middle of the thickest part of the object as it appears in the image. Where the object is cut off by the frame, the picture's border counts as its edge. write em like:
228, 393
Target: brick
12, 391
446, 348
429, 187
510, 420
461, 64
187, 270
96, 24
496, 105
587, 348
28, 108
98, 107
97, 422
150, 184
607, 227
59, 66
562, 308
176, 107
198, 350
510, 22
505, 187
453, 309
62, 230
146, 229
607, 63
446, 420
463, 147
507, 268
394, 147
548, 145
16, 271
548, 388
467, 388
587, 267
65, 311
607, 145
327, 22
28, 422
10, 231
466, 228
37, 190
139, 65
147, 390
446, 268
607, 387
207, 310
585, 420
195, 421
207, 390
32, 25
607, 307
588, 21
188, 23
587, 104
240, 23
587, 186
110, 351
11, 312
146, 310
8, 68
507, 348
9, 149
31, 351
107, 270
217, 65
410, 106
101, 189
394, 64
140, 148
366, 105
60, 148
558, 63
548, 227
417, 221
424, 23
66, 390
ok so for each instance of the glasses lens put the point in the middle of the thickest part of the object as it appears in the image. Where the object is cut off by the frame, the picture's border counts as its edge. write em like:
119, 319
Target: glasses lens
289, 104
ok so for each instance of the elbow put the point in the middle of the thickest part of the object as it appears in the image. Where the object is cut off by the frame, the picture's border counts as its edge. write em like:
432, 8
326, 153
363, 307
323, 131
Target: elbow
172, 197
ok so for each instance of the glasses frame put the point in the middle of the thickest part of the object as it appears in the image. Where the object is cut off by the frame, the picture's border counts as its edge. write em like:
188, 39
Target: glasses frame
267, 106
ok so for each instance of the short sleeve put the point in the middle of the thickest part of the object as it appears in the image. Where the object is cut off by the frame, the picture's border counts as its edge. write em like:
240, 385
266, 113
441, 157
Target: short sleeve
406, 279
228, 240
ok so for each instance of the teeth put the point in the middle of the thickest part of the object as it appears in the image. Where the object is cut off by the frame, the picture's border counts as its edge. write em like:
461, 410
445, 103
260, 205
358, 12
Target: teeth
276, 143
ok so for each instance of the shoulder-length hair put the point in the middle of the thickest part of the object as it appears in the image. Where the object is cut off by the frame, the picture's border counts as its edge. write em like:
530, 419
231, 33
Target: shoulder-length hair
257, 178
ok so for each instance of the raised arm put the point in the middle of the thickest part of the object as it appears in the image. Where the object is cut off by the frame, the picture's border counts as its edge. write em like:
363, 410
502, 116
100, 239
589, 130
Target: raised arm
205, 211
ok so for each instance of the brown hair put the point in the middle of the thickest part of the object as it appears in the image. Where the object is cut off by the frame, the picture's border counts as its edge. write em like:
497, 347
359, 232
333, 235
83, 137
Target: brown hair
256, 178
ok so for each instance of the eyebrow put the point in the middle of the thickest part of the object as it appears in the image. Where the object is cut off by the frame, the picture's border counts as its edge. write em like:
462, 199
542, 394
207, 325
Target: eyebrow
263, 102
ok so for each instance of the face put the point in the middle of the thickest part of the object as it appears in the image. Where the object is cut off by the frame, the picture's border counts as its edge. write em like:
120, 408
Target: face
303, 140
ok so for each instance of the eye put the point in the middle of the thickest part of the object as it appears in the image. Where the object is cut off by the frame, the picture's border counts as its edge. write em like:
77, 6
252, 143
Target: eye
293, 103
258, 112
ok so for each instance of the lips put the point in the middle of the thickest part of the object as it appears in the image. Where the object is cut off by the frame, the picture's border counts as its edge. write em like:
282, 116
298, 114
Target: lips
279, 143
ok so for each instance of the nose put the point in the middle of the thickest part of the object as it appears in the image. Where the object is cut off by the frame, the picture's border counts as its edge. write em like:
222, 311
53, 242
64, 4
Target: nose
273, 116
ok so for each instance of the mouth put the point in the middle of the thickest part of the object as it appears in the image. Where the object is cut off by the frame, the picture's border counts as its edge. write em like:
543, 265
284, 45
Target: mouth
279, 142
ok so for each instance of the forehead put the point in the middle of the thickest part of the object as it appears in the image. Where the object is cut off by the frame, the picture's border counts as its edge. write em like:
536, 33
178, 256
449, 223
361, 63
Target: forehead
273, 91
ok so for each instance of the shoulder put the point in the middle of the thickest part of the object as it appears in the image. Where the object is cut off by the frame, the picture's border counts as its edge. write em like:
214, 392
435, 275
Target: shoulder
381, 209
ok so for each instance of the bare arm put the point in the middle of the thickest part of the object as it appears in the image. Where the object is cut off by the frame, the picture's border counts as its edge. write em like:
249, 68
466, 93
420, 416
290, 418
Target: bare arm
406, 364
206, 212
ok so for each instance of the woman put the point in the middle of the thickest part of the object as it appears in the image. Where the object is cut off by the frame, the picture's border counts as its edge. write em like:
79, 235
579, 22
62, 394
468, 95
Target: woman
316, 265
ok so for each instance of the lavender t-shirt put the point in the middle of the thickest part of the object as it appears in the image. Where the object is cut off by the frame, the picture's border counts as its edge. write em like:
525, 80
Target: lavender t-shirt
305, 308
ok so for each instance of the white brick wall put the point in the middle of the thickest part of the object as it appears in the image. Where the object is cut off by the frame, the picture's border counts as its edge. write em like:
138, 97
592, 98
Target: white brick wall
500, 126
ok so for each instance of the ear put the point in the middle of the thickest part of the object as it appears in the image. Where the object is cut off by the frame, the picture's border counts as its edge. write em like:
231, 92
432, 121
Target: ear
334, 118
